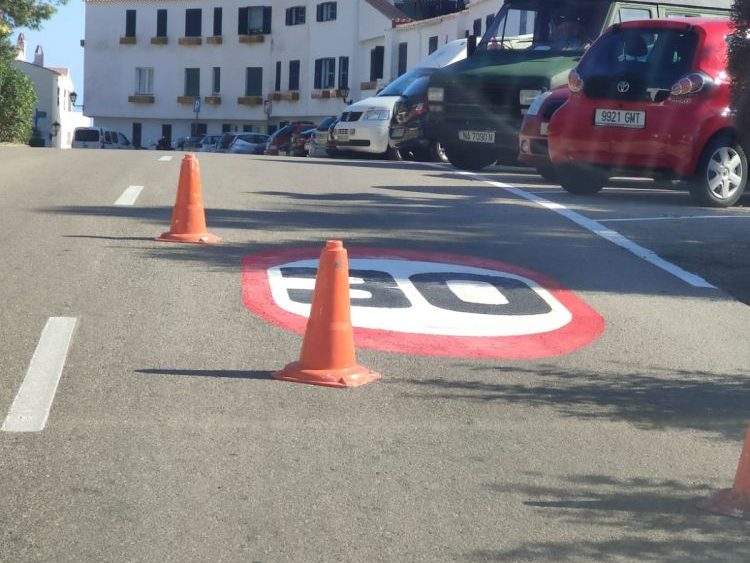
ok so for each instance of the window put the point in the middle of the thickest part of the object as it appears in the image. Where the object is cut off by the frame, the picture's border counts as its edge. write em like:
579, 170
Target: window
477, 28
254, 20
198, 129
192, 81
277, 79
432, 44
402, 47
226, 127
488, 21
161, 23
144, 80
295, 15
216, 82
129, 23
254, 81
326, 11
294, 75
217, 22
630, 14
325, 73
343, 72
377, 56
193, 22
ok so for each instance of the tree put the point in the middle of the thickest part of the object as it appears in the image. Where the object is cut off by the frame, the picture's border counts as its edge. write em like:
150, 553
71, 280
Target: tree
22, 13
739, 63
17, 102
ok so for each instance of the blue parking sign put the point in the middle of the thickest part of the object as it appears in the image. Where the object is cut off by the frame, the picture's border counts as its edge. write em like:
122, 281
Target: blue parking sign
197, 105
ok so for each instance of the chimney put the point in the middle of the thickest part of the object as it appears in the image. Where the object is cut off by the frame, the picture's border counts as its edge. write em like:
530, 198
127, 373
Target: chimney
21, 48
39, 56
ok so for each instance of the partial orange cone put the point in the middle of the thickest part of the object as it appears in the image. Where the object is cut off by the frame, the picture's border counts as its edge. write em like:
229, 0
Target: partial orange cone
189, 216
327, 356
734, 502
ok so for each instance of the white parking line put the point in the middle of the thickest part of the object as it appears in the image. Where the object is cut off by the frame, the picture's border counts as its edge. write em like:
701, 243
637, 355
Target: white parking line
598, 229
129, 196
165, 158
673, 218
32, 404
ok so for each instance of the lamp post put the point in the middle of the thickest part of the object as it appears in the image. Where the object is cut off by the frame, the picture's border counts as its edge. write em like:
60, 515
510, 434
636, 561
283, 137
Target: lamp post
345, 94
54, 130
73, 97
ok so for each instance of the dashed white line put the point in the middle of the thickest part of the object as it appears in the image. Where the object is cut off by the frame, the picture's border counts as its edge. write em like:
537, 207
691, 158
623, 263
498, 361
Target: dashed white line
31, 407
165, 158
600, 230
129, 196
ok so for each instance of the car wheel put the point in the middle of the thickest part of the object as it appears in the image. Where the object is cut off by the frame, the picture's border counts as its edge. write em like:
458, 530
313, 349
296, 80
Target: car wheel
470, 159
721, 177
437, 152
580, 180
392, 153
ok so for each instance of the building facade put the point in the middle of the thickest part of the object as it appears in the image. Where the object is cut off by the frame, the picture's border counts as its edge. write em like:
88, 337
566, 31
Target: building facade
173, 68
53, 105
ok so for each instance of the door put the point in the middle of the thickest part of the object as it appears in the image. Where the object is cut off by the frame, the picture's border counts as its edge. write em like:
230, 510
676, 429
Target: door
136, 135
166, 132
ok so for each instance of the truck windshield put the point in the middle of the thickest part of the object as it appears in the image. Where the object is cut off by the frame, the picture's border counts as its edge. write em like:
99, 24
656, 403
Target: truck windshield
545, 26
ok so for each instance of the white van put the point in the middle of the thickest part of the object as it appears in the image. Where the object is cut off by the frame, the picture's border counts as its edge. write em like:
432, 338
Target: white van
363, 127
98, 138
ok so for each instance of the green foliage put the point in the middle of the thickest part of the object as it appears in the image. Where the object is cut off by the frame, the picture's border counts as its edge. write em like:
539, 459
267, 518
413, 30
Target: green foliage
17, 103
739, 64
22, 13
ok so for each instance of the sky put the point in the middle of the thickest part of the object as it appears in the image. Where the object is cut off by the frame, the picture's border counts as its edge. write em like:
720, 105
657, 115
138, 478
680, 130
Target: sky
60, 37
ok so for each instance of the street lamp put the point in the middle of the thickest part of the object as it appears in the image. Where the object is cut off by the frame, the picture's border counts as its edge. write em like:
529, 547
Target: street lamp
54, 130
73, 97
345, 94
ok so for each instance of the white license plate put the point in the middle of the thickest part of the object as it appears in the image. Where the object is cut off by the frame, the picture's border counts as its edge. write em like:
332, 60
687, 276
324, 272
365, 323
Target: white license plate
342, 136
544, 128
620, 118
397, 132
477, 136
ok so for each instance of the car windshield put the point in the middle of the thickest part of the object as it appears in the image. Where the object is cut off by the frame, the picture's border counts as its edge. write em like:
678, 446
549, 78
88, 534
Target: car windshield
545, 26
397, 87
655, 57
87, 135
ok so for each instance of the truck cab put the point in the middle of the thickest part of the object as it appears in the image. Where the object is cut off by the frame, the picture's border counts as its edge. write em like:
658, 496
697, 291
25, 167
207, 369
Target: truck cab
476, 105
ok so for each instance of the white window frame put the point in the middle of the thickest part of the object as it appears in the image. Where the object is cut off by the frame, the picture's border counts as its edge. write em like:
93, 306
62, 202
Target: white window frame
144, 80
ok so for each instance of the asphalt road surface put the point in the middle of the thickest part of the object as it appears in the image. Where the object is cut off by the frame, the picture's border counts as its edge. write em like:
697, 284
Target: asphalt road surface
168, 440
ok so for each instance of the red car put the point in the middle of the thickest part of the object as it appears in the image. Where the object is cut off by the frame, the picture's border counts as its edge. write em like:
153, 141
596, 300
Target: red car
279, 142
533, 148
651, 98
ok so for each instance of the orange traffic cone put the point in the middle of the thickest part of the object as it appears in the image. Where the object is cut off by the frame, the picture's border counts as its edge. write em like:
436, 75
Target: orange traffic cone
735, 501
189, 216
327, 356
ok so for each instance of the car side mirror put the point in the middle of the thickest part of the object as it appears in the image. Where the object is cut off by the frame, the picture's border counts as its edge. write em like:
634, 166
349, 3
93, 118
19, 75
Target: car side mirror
471, 45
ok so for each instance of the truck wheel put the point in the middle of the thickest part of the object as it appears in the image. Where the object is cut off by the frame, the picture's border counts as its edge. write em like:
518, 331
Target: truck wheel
722, 174
470, 159
580, 180
392, 153
548, 173
437, 152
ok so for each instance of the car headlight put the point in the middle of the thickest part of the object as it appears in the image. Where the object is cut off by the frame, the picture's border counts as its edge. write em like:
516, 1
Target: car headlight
526, 97
536, 105
376, 115
435, 94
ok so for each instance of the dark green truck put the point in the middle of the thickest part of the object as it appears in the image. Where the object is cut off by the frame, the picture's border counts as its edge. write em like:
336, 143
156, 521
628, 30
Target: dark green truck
477, 104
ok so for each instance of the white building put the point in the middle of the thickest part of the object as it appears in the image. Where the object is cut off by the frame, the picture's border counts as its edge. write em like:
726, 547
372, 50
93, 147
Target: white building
53, 106
252, 64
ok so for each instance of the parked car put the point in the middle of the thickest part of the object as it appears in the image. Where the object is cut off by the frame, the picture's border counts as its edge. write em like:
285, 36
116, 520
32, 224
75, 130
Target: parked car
98, 138
192, 143
298, 143
650, 98
278, 142
317, 144
363, 126
532, 138
248, 143
208, 143
406, 131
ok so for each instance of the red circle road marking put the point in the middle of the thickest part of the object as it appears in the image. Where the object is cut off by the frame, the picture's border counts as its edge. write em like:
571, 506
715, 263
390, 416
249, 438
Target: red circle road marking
584, 326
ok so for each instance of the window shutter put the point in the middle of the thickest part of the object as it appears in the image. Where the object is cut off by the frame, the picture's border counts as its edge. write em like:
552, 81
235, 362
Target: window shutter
343, 72
333, 10
294, 75
277, 82
376, 63
267, 19
217, 21
318, 73
319, 12
242, 21
288, 17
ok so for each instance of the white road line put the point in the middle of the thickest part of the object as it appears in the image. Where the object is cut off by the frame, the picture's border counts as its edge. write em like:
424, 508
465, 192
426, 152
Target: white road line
129, 196
673, 218
165, 158
598, 229
32, 404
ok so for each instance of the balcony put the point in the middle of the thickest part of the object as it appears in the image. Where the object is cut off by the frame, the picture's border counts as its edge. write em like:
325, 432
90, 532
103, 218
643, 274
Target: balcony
127, 40
291, 96
424, 9
250, 100
255, 38
141, 99
327, 93
368, 85
214, 40
190, 40
186, 100
212, 100
159, 40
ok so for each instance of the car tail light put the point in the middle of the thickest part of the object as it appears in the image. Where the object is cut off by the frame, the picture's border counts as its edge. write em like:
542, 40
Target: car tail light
693, 83
575, 82
420, 109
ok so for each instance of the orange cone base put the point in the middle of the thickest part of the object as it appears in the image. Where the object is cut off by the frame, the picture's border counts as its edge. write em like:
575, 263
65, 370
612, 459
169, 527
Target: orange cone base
344, 377
195, 238
729, 503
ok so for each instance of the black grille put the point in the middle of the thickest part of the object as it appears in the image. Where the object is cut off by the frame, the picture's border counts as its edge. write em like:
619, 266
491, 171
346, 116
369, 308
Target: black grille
622, 88
351, 116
